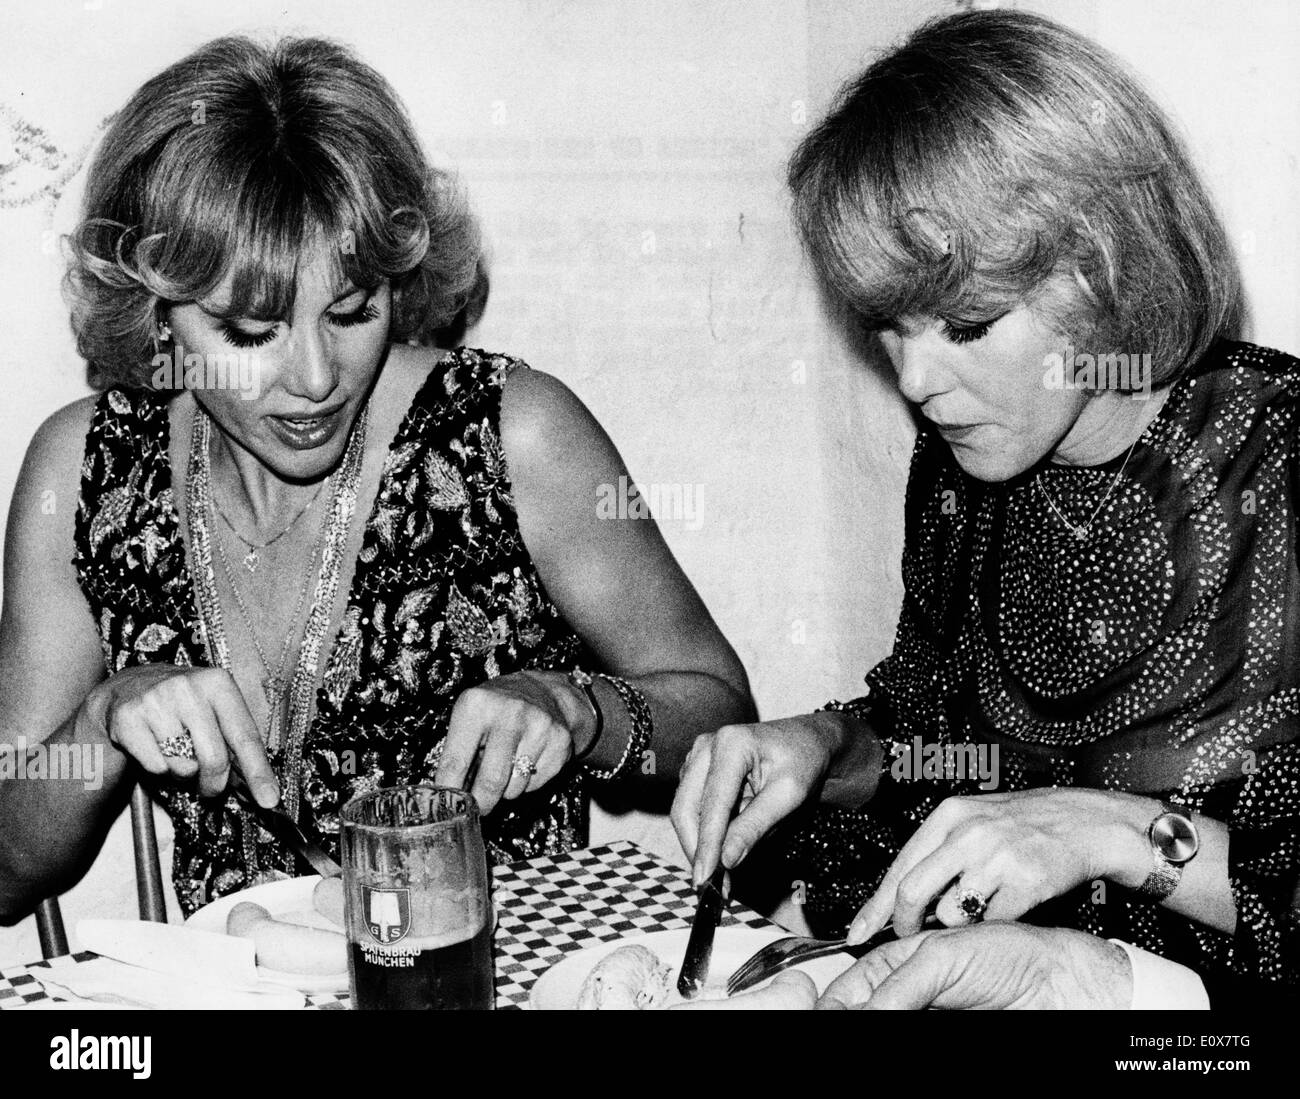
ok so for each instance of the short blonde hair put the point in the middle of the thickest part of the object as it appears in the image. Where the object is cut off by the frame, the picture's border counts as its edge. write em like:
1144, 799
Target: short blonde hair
998, 158
231, 162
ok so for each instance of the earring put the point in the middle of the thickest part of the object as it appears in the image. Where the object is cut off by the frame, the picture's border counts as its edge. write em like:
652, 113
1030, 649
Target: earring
164, 331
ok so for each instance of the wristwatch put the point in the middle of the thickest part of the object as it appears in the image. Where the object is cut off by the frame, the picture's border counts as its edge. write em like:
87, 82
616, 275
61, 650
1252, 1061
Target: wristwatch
1174, 843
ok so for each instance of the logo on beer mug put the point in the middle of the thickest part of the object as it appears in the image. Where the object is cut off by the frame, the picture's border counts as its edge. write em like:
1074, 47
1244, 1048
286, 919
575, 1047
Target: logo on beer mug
388, 913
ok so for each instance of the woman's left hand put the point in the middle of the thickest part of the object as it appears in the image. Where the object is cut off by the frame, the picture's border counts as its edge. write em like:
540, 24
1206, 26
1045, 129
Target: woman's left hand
1014, 850
526, 725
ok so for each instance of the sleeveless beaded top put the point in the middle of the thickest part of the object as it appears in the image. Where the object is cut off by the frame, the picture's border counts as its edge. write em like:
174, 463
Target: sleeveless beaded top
444, 597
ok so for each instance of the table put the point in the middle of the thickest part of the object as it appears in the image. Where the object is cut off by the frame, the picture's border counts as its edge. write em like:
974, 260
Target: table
547, 907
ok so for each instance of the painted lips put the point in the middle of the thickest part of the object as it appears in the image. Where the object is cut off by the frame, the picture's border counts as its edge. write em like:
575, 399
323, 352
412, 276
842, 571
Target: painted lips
306, 433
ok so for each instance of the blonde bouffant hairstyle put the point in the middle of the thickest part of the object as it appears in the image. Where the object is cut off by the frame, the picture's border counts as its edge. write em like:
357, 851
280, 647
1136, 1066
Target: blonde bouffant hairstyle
230, 164
997, 158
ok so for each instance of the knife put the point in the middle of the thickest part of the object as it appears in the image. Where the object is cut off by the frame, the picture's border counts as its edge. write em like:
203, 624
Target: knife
288, 831
699, 947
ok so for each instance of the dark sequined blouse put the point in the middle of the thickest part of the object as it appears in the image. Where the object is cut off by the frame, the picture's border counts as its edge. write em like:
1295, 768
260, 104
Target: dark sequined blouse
444, 596
1159, 655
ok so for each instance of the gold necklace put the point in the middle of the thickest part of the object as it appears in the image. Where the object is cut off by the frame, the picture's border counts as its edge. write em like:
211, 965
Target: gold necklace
274, 684
251, 560
343, 497
1080, 531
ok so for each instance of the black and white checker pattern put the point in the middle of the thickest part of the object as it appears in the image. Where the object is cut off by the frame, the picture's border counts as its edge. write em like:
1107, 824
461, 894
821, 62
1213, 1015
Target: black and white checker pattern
19, 985
553, 905
546, 907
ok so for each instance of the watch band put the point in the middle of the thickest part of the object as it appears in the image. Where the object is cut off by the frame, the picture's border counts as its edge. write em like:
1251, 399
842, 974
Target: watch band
1166, 873
1162, 879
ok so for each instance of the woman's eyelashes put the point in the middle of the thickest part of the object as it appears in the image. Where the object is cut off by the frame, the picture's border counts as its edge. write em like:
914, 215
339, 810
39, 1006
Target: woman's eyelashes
368, 312
966, 333
952, 331
237, 337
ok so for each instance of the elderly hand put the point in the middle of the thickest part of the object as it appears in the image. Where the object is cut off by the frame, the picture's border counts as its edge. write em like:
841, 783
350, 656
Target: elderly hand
1013, 851
990, 967
526, 725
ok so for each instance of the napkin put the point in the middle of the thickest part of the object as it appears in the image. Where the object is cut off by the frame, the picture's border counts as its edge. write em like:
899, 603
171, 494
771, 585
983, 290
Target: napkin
107, 981
169, 965
174, 949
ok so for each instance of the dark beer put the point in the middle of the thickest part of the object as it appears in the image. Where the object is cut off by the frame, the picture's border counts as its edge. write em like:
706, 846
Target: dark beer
427, 974
418, 901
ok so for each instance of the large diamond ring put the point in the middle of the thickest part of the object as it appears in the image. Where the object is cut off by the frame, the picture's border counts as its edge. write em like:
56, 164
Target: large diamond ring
972, 904
180, 746
524, 766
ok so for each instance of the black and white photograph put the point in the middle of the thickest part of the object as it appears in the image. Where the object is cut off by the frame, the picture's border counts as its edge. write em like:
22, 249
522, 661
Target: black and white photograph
688, 505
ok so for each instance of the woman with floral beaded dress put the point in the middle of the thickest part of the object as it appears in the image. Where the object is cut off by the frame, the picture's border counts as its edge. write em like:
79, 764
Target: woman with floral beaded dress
1089, 716
310, 556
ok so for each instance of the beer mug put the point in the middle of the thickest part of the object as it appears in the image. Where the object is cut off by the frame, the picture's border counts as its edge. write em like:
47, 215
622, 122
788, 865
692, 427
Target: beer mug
418, 901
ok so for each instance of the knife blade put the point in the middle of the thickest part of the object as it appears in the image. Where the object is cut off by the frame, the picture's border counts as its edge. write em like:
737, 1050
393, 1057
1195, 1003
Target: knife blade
699, 947
289, 832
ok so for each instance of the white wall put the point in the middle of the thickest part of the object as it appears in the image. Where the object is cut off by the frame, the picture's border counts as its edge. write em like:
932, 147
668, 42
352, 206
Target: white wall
627, 160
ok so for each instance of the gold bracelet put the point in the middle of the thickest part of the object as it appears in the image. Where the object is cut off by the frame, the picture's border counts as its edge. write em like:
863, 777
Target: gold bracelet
638, 712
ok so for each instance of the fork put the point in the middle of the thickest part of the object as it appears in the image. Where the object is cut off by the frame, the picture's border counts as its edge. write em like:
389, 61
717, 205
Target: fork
783, 953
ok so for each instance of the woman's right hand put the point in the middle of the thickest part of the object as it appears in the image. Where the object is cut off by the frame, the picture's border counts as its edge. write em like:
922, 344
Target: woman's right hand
771, 768
142, 707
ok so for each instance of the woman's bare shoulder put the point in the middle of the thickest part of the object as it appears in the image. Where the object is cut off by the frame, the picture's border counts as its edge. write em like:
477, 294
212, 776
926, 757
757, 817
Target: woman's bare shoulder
544, 424
53, 466
64, 432
50, 654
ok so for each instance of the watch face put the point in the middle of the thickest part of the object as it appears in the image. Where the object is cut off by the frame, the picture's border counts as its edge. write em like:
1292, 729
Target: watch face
1174, 836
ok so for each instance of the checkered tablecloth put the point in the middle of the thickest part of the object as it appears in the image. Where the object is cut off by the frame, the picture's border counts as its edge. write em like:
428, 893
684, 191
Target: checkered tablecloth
546, 907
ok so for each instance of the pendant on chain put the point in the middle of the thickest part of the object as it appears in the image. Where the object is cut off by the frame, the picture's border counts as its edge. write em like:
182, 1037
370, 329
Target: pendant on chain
250, 560
274, 687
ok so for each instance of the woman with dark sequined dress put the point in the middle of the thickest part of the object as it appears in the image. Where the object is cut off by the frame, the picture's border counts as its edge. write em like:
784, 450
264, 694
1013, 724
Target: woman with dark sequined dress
1089, 716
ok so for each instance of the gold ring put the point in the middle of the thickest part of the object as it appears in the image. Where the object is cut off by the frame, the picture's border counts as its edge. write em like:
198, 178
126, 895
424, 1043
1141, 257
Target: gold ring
180, 746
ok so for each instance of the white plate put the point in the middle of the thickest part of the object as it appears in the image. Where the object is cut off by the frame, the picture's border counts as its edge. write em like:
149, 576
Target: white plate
557, 989
288, 900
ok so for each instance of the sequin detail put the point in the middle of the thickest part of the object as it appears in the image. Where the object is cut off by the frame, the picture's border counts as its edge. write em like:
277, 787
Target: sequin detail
1160, 655
444, 596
